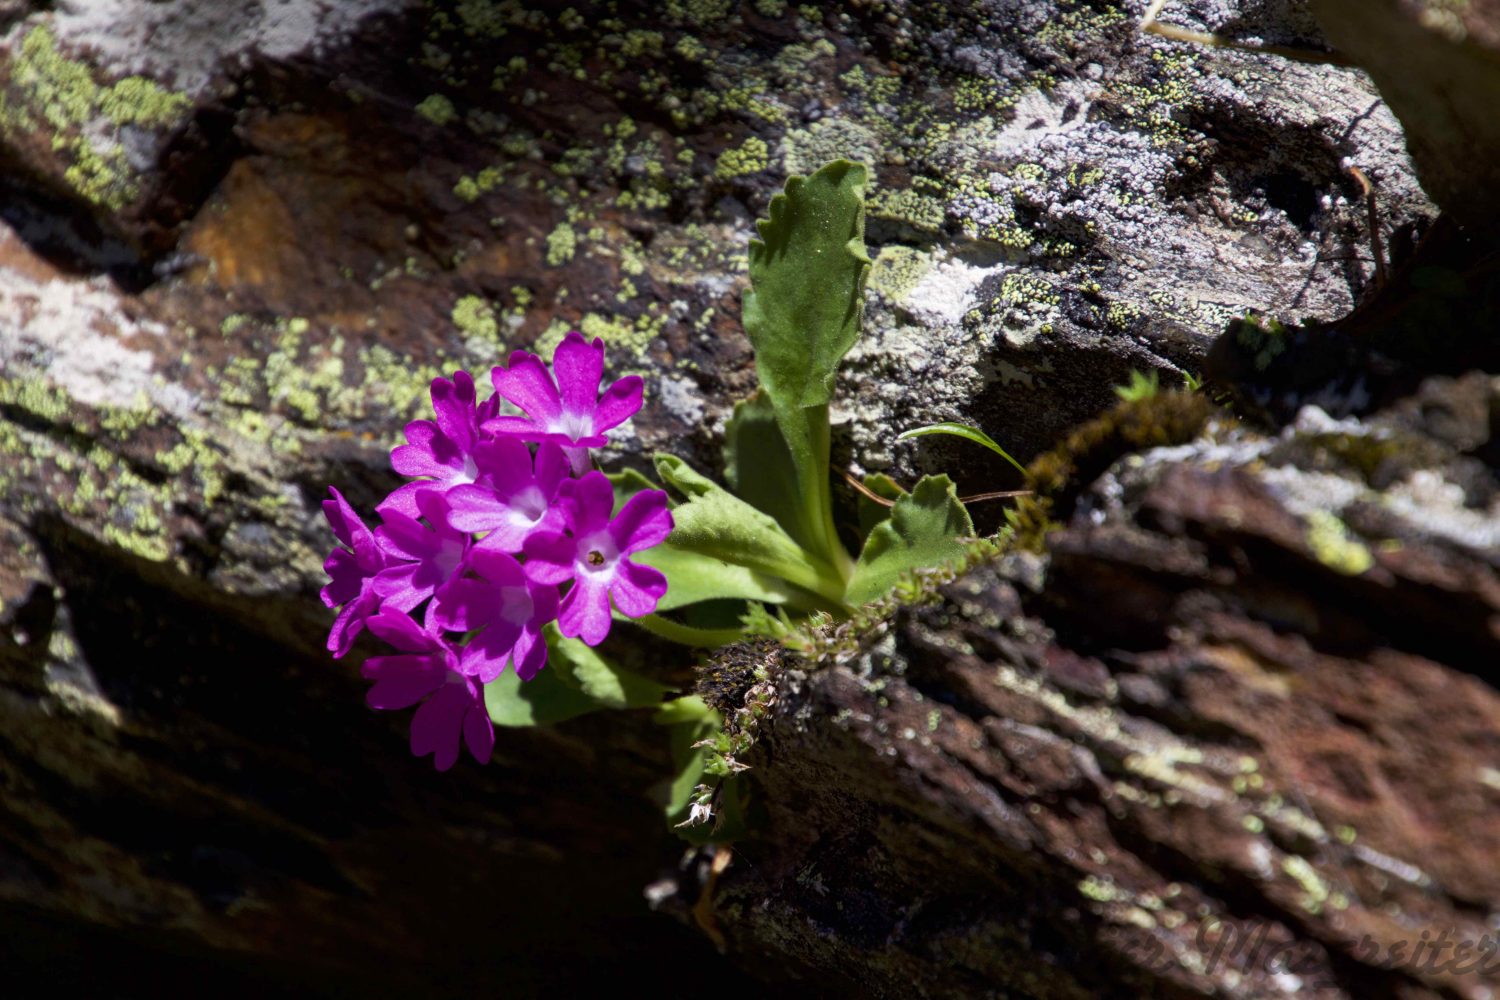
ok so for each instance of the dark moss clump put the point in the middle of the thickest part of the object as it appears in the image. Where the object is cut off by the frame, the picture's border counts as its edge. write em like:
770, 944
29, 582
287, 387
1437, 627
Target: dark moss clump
1059, 476
725, 680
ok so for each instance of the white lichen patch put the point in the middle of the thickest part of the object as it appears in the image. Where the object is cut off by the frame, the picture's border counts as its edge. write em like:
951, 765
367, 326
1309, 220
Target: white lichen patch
186, 43
73, 334
681, 398
946, 291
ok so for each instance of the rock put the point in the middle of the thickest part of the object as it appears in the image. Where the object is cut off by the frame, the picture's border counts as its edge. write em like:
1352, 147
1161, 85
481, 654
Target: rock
1438, 66
241, 239
1241, 741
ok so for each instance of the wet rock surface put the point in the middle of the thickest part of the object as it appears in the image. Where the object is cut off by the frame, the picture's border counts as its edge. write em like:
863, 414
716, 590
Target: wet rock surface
237, 248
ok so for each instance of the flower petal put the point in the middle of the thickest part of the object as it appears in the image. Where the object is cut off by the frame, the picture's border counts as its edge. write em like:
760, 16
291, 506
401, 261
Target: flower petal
529, 385
398, 588
550, 557
636, 589
578, 366
521, 428
401, 681
342, 518
453, 404
488, 652
619, 403
429, 453
476, 508
644, 521
397, 628
585, 612
403, 499
593, 499
404, 537
551, 468
464, 605
346, 578
351, 621
529, 655
498, 568
479, 731
506, 464
436, 726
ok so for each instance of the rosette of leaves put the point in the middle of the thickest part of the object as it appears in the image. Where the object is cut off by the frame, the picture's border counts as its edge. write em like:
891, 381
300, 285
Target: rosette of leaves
762, 548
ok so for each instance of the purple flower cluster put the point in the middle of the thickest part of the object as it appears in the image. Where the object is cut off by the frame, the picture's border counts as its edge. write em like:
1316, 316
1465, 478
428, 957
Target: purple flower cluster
490, 542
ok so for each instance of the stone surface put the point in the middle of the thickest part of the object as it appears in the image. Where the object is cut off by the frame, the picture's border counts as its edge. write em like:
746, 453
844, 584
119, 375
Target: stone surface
1241, 742
1438, 64
237, 248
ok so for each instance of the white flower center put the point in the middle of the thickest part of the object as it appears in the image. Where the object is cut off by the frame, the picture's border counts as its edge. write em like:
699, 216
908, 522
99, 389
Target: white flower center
597, 553
574, 425
470, 473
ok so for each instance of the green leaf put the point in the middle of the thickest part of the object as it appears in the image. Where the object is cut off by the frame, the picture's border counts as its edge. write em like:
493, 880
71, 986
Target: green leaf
967, 433
545, 699
1142, 386
802, 314
694, 576
596, 678
688, 708
759, 468
689, 635
922, 532
870, 512
714, 522
627, 483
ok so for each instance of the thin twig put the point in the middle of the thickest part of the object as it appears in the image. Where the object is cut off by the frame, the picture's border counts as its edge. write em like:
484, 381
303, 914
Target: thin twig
872, 495
866, 492
1374, 216
995, 495
1150, 25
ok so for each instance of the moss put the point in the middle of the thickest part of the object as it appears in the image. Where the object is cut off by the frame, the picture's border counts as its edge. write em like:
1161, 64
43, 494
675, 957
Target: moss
1332, 545
1059, 475
437, 109
84, 119
751, 157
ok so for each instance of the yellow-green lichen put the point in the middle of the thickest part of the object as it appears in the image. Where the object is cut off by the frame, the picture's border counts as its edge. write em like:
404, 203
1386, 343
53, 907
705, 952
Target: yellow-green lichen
85, 119
470, 188
1314, 888
474, 317
1332, 545
921, 211
750, 157
437, 109
897, 270
562, 243
1021, 289
700, 13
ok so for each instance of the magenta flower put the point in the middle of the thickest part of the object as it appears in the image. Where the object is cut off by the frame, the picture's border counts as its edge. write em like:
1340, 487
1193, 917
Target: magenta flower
351, 573
594, 557
511, 499
440, 451
419, 559
509, 609
428, 668
569, 411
